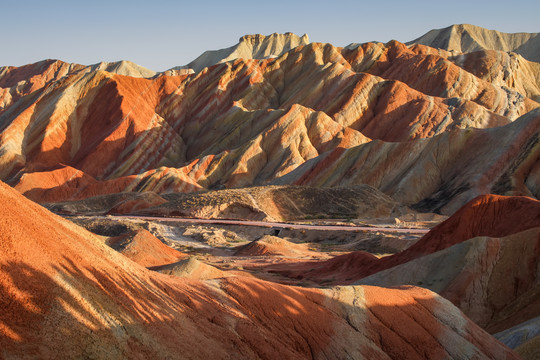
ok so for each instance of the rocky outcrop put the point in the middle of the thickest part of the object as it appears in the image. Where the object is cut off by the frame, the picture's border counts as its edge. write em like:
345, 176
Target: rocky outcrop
271, 203
249, 47
466, 38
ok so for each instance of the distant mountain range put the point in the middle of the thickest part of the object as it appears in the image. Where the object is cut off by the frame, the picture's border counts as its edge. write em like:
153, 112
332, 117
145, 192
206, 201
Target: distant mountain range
249, 47
362, 132
413, 121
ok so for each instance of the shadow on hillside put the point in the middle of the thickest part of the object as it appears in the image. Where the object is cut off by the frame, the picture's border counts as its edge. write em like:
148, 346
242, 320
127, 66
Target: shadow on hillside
95, 117
97, 313
93, 175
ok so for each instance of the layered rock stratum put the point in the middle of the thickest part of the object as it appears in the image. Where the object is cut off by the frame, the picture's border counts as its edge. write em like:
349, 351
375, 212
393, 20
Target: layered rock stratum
429, 127
275, 128
60, 282
484, 259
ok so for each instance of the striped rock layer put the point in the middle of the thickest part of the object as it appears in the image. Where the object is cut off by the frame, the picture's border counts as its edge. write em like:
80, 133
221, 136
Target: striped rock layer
484, 259
256, 121
60, 282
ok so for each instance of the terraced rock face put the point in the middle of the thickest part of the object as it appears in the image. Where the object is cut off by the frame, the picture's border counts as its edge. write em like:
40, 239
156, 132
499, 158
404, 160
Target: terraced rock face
313, 115
60, 282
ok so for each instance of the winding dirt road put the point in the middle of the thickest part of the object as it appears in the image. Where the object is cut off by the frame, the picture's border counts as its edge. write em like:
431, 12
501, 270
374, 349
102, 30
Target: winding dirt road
274, 224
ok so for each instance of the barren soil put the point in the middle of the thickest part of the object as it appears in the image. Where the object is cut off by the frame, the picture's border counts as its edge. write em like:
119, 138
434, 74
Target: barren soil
223, 246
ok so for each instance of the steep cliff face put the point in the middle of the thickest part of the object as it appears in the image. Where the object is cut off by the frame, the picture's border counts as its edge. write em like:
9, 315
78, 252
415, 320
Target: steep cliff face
313, 115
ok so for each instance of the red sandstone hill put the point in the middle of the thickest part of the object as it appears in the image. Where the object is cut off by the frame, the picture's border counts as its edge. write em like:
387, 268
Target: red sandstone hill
313, 109
64, 293
16, 82
492, 280
439, 174
493, 277
144, 248
487, 215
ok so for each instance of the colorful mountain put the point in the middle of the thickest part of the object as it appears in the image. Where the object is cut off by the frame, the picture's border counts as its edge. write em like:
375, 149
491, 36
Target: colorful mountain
414, 122
60, 282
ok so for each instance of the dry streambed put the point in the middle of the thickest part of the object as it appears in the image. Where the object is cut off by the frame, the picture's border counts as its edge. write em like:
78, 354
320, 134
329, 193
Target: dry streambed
251, 249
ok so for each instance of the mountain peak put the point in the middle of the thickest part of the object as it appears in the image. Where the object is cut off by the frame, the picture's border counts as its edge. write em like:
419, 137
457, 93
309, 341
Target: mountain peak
255, 38
259, 38
256, 46
466, 38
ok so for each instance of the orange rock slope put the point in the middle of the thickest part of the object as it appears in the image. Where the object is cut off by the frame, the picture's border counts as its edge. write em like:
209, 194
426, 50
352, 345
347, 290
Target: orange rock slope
65, 294
144, 248
244, 122
484, 259
438, 174
492, 280
487, 215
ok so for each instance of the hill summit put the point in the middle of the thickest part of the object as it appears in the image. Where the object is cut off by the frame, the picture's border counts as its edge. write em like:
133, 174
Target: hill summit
249, 47
466, 38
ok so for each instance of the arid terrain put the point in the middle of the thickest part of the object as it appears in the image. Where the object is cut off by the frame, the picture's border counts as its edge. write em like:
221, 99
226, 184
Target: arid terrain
276, 199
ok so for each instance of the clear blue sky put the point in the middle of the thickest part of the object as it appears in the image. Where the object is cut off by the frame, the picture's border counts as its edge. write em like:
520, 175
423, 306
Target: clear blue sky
160, 34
